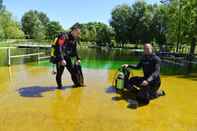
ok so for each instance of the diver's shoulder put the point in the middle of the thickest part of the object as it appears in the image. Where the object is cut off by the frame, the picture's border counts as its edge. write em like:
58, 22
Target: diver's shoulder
156, 57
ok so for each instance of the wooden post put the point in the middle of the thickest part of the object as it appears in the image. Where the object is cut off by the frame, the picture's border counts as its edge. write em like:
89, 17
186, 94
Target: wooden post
9, 57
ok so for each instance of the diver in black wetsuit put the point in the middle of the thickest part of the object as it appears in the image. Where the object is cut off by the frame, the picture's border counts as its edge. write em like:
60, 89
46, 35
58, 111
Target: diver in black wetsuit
65, 51
150, 83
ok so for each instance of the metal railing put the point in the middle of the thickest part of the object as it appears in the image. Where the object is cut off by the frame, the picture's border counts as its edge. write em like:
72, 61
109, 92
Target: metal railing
10, 57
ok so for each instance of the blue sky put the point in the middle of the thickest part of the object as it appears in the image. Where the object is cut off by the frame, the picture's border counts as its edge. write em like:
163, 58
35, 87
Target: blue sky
68, 12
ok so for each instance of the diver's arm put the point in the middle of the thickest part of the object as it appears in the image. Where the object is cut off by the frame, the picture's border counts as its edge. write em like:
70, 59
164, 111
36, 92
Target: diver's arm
156, 73
59, 49
137, 66
76, 52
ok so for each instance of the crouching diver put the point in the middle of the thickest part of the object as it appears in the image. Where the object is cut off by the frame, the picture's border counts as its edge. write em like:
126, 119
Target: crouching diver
66, 49
149, 84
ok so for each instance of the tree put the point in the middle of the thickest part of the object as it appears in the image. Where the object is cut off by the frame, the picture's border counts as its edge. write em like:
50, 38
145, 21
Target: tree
182, 24
88, 32
1, 5
189, 22
158, 26
53, 28
96, 32
92, 33
10, 29
2, 35
140, 23
119, 21
32, 26
104, 34
132, 23
38, 30
43, 18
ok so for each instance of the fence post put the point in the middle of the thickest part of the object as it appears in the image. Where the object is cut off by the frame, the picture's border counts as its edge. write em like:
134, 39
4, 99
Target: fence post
9, 57
38, 56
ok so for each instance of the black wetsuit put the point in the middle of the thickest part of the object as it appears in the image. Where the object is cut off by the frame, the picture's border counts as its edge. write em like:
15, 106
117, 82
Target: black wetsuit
66, 52
151, 69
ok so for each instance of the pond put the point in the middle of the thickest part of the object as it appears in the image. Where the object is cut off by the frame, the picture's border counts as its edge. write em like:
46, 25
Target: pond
95, 58
114, 58
28, 95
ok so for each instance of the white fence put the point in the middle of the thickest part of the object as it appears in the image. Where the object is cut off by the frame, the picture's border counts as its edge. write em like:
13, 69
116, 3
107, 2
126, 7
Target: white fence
10, 57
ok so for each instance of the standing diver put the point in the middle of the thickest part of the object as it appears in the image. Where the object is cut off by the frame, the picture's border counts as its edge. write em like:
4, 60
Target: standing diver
149, 84
66, 49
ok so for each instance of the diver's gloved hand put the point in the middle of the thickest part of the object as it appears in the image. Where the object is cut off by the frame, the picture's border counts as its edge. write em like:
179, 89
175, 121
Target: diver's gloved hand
125, 65
144, 83
78, 62
63, 63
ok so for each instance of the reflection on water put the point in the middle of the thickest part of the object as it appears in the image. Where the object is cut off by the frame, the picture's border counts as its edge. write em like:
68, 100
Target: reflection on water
95, 59
102, 58
19, 51
113, 59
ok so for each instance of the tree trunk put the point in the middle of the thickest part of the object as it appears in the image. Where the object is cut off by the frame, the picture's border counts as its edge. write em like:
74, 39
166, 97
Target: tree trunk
191, 54
193, 45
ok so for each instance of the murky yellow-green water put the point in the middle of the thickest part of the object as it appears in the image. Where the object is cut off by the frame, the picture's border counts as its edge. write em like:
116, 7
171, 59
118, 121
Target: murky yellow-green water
30, 102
